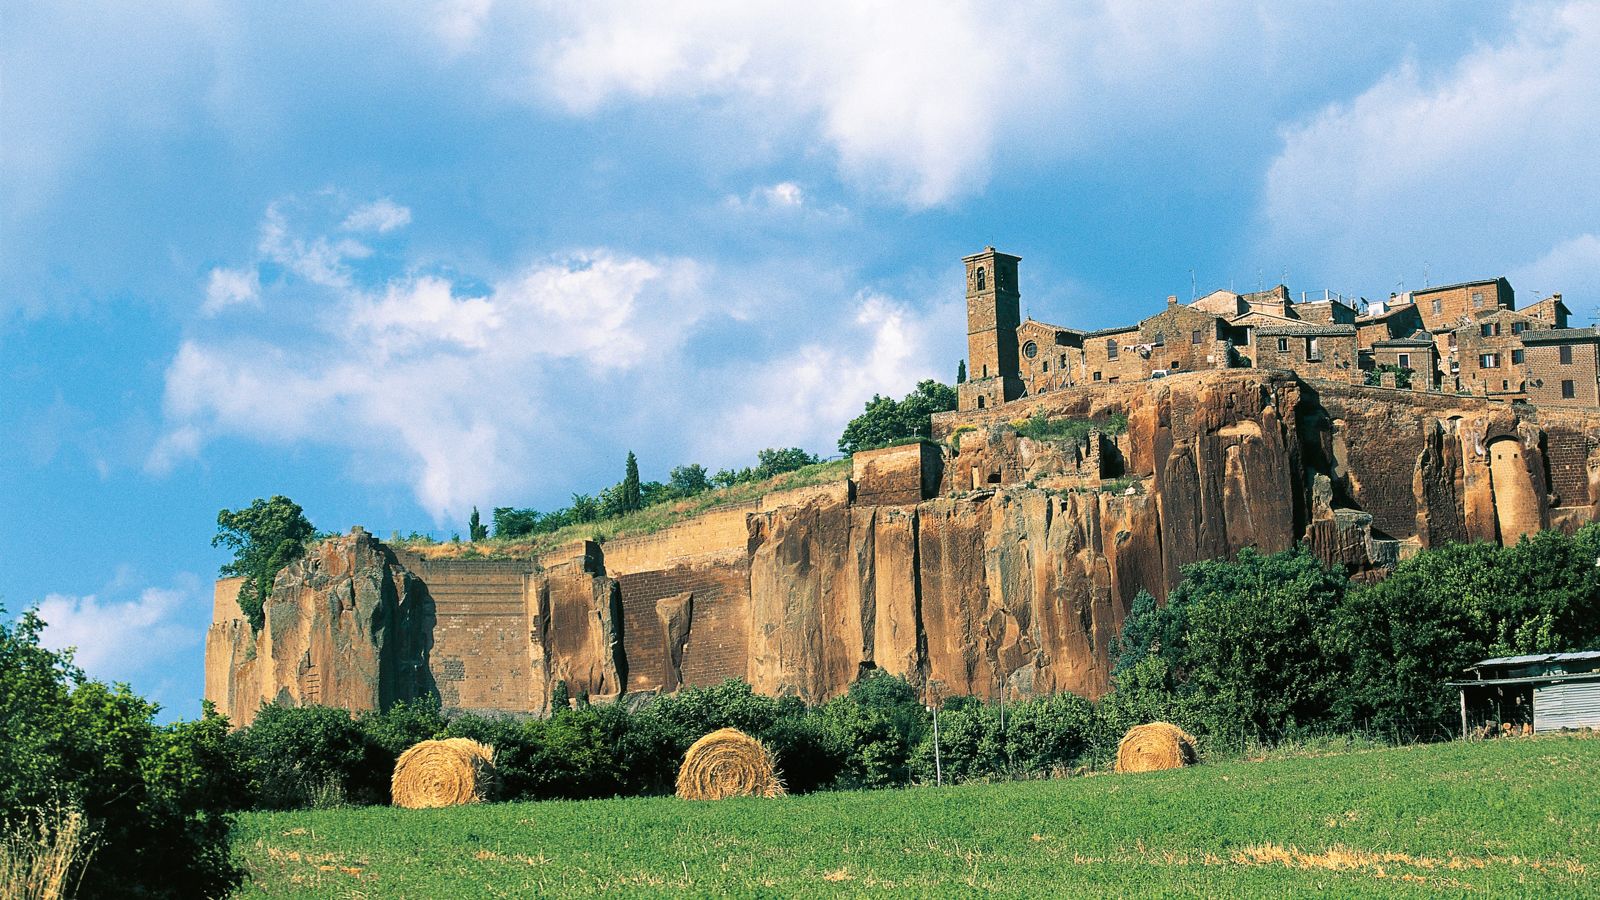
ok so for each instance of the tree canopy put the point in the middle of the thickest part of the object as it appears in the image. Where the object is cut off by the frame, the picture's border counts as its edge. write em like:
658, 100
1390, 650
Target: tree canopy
264, 537
886, 420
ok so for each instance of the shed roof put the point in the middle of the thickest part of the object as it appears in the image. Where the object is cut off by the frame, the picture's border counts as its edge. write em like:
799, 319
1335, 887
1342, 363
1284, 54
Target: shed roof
1536, 658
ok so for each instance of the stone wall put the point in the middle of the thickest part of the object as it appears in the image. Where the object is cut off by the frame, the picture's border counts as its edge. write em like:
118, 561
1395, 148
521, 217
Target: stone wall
1012, 579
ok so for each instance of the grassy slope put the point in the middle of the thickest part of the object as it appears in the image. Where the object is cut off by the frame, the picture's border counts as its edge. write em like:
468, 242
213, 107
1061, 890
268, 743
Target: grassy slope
1521, 815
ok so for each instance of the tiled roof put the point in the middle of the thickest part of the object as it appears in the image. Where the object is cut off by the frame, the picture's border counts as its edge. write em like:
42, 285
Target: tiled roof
1558, 335
1308, 328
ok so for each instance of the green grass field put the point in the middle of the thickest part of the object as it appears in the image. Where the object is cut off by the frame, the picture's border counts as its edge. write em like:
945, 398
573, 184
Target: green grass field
1519, 816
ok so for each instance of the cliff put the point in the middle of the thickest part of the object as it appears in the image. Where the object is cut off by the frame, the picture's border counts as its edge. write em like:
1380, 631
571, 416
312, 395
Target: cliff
987, 563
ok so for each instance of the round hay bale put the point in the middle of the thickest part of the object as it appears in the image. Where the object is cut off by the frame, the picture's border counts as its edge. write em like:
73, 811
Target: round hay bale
449, 772
1158, 745
728, 763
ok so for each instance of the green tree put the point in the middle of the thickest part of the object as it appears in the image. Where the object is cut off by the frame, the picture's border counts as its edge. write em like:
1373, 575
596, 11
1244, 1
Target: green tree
961, 372
476, 530
775, 461
156, 798
886, 420
264, 537
584, 508
630, 484
300, 756
687, 481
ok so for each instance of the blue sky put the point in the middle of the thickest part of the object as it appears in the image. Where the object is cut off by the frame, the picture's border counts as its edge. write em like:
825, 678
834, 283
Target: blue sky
396, 261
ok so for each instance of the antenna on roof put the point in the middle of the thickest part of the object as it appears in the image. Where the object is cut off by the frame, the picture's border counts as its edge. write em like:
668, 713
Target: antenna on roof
1425, 273
1194, 288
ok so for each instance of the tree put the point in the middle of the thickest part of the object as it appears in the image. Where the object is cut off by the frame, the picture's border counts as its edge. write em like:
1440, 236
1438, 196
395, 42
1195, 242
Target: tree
885, 420
630, 484
961, 372
770, 462
155, 798
584, 508
475, 527
264, 537
687, 481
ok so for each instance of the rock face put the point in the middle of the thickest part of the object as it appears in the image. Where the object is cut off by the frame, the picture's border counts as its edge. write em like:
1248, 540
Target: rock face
991, 565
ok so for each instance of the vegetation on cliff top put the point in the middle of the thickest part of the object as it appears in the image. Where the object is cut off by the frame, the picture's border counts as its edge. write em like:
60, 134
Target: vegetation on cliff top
264, 537
1505, 817
886, 420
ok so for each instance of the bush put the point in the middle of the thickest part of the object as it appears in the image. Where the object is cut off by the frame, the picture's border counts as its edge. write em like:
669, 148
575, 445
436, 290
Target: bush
312, 756
154, 799
885, 420
875, 725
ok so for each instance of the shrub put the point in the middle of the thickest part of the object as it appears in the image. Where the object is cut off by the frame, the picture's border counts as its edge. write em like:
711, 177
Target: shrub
154, 799
312, 756
264, 537
885, 420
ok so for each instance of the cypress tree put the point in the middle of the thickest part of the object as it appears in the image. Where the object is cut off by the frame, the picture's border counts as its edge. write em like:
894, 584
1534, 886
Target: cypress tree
961, 372
476, 530
630, 485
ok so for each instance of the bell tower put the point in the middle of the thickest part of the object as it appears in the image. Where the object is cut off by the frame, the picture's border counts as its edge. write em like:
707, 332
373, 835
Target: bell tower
993, 314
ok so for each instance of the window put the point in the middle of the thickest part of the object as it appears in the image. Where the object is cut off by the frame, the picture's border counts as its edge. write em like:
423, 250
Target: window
980, 278
1516, 357
1030, 349
1519, 327
1097, 376
1195, 338
1489, 361
1405, 360
1566, 355
980, 399
1283, 345
1505, 385
1047, 365
1063, 360
1161, 339
1569, 390
1489, 329
1438, 307
1313, 351
1452, 338
1477, 298
985, 370
1113, 379
1111, 349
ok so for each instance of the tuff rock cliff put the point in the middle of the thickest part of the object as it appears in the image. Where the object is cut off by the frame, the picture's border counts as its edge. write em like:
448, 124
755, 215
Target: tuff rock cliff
985, 564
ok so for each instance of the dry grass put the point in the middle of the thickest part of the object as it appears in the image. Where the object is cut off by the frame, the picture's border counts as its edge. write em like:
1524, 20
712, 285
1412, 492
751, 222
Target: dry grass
646, 521
43, 858
1153, 747
449, 772
728, 763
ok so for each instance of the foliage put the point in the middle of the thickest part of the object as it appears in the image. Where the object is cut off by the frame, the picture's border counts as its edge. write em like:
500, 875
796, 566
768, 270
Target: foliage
875, 725
630, 485
154, 798
961, 372
688, 481
476, 530
264, 537
1410, 822
1402, 375
403, 725
1069, 431
885, 420
312, 756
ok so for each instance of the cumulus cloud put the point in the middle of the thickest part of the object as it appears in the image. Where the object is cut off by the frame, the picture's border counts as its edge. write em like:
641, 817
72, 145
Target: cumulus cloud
230, 287
1472, 167
118, 639
470, 391
382, 216
913, 99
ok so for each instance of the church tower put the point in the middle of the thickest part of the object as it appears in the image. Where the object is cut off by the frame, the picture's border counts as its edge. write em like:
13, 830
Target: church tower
993, 314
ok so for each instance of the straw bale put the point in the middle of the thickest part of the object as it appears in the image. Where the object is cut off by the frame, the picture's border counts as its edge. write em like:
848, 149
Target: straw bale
447, 772
1158, 745
728, 763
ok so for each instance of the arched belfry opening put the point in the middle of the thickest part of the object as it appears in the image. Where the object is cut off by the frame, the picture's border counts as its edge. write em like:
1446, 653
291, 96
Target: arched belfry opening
982, 284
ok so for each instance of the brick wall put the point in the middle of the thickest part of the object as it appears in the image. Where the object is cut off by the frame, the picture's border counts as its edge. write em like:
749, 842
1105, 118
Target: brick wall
225, 600
1546, 371
896, 476
718, 643
480, 656
718, 532
1335, 357
1443, 308
1567, 455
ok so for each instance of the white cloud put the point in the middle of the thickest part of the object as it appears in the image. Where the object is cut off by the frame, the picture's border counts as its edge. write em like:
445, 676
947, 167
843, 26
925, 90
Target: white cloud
914, 99
886, 349
1469, 170
120, 639
230, 287
382, 216
448, 389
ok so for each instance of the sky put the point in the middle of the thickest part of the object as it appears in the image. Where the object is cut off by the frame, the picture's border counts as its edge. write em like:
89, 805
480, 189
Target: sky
395, 261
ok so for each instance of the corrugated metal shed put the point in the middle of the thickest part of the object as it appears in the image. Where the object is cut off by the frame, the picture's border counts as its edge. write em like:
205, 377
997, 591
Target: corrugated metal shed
1566, 705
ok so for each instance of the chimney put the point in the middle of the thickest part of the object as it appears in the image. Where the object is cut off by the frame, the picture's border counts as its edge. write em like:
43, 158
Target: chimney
1172, 299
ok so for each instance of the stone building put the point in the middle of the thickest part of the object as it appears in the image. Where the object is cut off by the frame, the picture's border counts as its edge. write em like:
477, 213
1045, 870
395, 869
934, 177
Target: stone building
1465, 337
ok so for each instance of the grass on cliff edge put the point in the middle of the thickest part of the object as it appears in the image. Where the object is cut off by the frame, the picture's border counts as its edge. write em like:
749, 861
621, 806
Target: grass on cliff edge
1519, 815
645, 521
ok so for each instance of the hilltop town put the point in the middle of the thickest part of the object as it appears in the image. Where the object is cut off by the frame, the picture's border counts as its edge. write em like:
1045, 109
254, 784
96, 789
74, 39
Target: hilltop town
1467, 338
1001, 556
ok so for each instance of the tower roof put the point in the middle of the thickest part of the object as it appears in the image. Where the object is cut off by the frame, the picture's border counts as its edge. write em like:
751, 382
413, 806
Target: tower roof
989, 251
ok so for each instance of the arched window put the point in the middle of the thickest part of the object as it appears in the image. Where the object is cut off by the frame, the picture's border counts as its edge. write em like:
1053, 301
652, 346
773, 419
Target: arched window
981, 281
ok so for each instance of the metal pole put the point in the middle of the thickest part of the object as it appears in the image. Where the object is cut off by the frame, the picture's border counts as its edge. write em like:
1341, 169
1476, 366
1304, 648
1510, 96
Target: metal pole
938, 764
1463, 713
